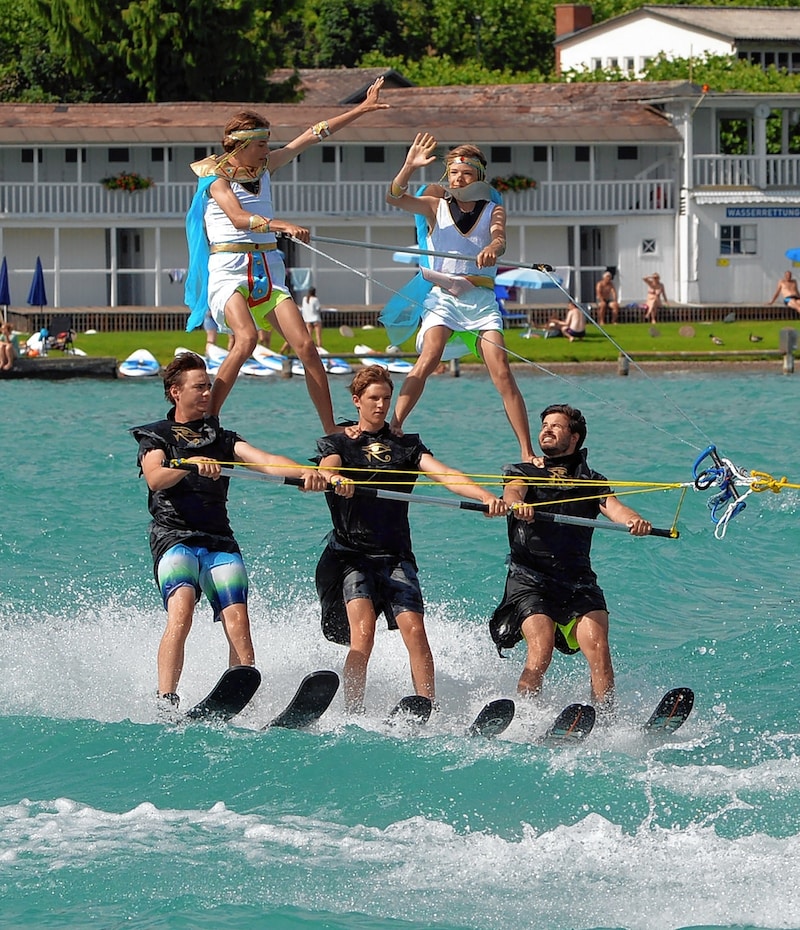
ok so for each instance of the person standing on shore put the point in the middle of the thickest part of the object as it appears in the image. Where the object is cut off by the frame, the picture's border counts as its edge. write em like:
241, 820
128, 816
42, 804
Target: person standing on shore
235, 267
656, 296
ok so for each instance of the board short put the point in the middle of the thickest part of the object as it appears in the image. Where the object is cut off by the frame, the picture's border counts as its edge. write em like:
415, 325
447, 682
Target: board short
221, 576
390, 583
528, 592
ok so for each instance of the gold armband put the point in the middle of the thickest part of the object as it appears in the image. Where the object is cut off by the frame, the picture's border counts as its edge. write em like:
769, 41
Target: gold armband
259, 224
396, 191
321, 130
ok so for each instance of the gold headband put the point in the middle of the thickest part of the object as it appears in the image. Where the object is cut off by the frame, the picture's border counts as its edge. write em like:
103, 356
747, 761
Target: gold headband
249, 135
462, 160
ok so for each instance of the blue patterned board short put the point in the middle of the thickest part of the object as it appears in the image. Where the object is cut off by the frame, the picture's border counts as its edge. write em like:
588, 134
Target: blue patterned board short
221, 576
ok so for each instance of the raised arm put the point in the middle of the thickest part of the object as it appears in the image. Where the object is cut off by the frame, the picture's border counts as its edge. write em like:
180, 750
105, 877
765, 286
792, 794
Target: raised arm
421, 152
327, 127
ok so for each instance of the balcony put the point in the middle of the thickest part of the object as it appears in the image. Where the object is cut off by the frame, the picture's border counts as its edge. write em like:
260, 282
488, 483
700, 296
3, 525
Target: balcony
308, 200
752, 171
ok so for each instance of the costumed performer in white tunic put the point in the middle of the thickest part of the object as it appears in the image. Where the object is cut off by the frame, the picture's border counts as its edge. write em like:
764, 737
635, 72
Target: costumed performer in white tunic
235, 267
464, 217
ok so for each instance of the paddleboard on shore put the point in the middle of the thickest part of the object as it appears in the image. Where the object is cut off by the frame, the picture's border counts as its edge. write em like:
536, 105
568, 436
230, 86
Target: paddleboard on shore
139, 364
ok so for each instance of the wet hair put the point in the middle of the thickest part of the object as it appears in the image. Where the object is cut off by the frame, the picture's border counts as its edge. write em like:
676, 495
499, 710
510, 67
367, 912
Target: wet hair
577, 422
178, 368
245, 119
311, 292
371, 374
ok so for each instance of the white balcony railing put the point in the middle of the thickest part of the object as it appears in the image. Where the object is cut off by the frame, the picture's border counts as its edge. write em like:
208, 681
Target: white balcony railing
782, 171
318, 199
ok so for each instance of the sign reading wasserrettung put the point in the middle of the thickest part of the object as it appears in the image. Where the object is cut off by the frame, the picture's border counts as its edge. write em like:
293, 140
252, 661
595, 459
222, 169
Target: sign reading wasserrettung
773, 213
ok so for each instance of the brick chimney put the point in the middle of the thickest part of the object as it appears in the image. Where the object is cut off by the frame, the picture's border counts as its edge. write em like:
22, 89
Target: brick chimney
570, 17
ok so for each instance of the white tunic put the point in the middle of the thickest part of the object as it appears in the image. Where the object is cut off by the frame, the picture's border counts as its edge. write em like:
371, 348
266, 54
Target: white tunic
473, 310
228, 271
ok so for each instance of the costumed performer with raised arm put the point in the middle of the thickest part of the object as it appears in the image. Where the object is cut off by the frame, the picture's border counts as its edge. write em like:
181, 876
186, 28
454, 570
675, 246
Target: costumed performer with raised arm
193, 546
368, 566
465, 217
235, 267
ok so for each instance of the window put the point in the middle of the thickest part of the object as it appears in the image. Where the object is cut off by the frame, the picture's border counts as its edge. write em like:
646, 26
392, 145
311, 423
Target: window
581, 153
26, 156
649, 247
71, 156
738, 240
540, 153
627, 152
330, 154
374, 154
630, 65
157, 153
613, 63
501, 154
200, 151
597, 64
119, 155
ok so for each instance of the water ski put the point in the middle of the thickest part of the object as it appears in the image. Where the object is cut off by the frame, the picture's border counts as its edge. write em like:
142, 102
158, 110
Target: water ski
574, 723
312, 699
493, 718
414, 709
672, 710
229, 696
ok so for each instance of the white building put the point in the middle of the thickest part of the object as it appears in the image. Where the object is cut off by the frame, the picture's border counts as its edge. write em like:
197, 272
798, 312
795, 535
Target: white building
765, 36
628, 176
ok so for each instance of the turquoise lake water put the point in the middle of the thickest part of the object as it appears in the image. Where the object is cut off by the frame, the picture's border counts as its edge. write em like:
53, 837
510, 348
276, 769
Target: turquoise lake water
110, 820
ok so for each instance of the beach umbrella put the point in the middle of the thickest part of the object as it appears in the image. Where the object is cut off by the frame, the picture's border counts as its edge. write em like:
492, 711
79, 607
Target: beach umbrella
37, 297
527, 277
793, 255
5, 293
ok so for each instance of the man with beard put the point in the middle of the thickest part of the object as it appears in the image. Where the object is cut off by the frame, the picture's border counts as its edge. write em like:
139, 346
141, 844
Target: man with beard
551, 597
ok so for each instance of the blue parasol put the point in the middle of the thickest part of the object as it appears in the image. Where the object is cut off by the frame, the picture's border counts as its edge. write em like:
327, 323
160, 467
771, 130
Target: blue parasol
793, 255
527, 277
37, 297
5, 293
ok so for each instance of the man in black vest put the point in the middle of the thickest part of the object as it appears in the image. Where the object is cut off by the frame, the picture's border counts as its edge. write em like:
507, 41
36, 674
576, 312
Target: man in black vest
193, 546
368, 566
551, 597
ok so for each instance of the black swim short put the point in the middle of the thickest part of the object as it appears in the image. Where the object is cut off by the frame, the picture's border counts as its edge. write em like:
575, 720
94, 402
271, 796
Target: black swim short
529, 592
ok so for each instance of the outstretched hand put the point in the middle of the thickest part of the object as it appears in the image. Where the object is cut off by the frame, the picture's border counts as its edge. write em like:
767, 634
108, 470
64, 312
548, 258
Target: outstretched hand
422, 151
371, 101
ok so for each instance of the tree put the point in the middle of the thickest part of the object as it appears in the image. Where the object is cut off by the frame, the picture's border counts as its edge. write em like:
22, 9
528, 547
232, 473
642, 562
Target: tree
344, 30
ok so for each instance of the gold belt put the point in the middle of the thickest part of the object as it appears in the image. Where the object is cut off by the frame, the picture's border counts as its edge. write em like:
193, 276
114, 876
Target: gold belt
242, 247
480, 280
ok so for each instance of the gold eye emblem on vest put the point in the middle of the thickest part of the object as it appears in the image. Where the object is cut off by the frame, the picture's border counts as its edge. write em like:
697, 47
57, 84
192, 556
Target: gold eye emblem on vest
189, 437
560, 476
378, 452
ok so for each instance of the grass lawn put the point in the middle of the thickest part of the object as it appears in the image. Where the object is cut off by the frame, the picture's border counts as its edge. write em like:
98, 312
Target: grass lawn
633, 338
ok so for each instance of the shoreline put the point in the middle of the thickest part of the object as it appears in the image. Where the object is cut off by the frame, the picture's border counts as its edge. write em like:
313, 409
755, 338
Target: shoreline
57, 369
